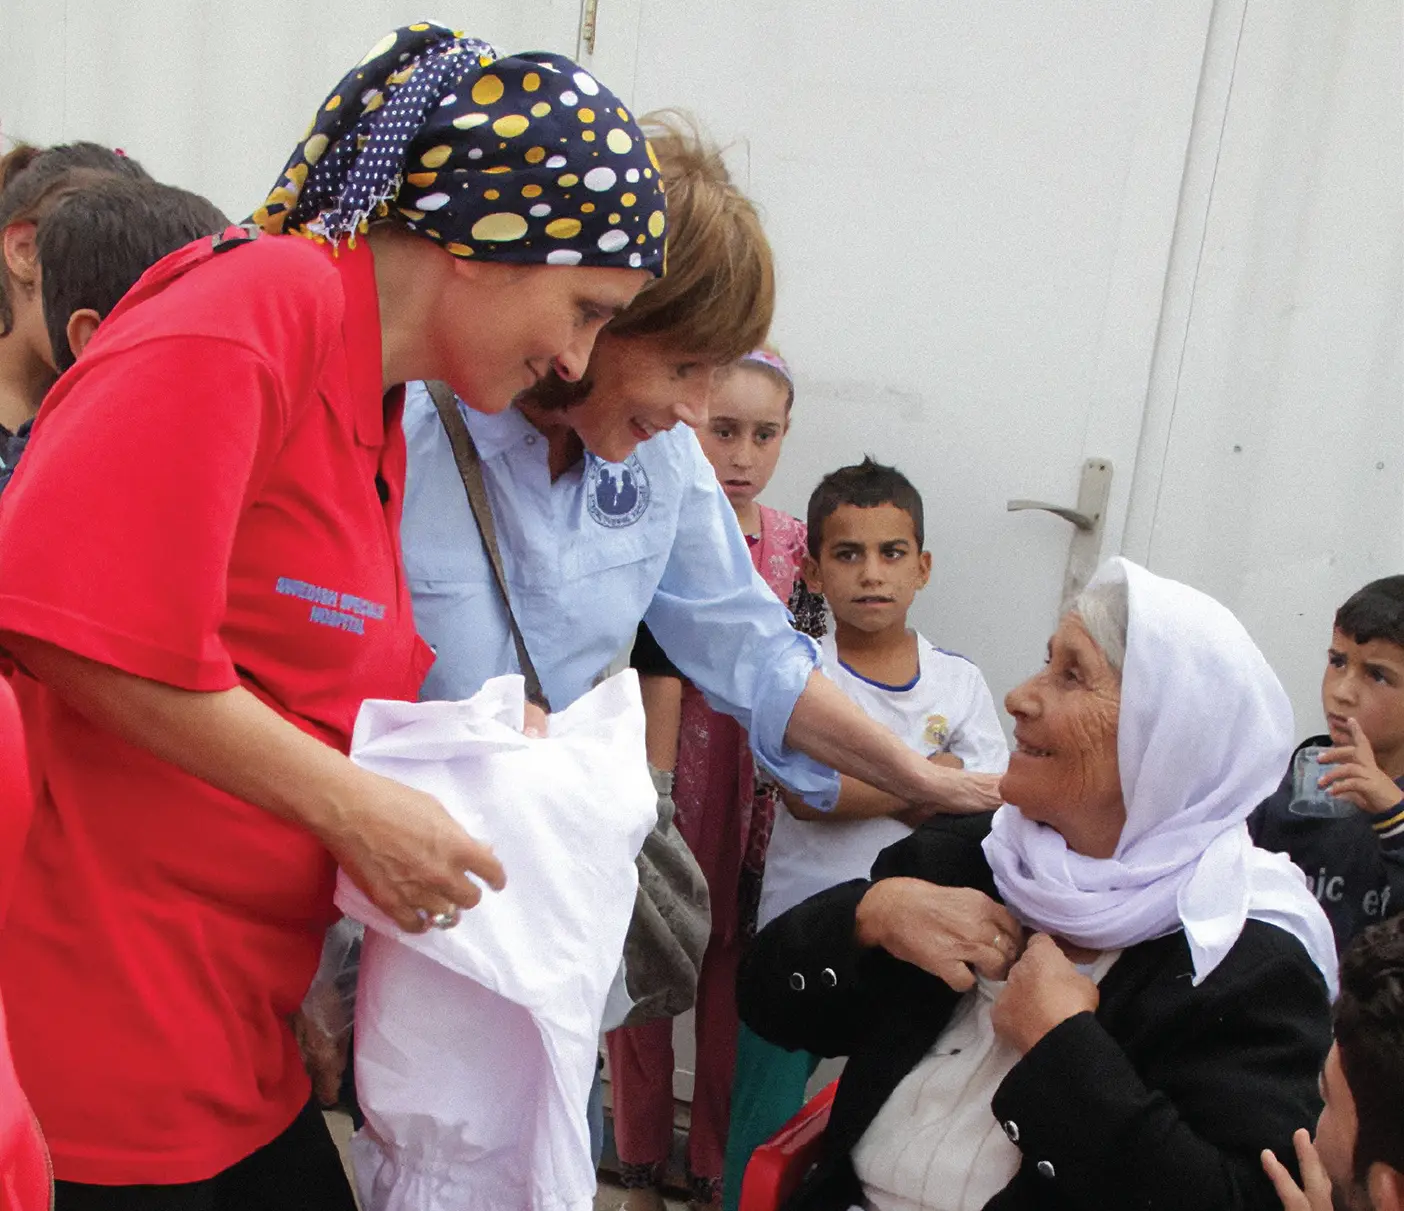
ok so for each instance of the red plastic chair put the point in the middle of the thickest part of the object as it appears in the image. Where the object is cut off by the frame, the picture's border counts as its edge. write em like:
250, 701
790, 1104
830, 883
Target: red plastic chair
778, 1166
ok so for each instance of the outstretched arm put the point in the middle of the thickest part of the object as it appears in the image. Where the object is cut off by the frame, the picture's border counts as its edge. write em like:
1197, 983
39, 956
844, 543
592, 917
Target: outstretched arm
829, 727
398, 844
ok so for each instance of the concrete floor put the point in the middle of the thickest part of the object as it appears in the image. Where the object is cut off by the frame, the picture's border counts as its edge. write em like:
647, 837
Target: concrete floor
609, 1196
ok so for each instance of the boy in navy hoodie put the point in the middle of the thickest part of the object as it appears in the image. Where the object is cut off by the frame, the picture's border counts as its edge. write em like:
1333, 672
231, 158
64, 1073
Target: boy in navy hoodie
1355, 865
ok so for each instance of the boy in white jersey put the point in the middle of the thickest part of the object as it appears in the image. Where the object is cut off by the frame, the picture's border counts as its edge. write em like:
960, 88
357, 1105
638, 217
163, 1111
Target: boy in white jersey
867, 557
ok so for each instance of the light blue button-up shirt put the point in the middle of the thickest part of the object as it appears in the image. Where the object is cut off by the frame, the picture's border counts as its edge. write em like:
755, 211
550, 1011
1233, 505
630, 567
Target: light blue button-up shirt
587, 557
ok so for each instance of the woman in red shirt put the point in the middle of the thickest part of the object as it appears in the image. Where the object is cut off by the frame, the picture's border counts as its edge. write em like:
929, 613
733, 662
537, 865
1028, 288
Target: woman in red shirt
201, 582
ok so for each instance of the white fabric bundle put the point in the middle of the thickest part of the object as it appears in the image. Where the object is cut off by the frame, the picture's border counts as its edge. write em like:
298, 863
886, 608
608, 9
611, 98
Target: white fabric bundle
1204, 735
475, 1046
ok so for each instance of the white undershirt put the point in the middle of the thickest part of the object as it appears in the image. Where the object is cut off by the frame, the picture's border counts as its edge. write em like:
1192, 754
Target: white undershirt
935, 1145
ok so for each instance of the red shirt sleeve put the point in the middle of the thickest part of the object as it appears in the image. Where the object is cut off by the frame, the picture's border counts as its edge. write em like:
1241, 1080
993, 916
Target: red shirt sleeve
117, 530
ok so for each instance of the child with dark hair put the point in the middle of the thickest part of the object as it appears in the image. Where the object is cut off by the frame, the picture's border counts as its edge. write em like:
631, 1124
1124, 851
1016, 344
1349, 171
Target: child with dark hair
1357, 1160
96, 243
1355, 864
32, 180
864, 485
867, 557
98, 239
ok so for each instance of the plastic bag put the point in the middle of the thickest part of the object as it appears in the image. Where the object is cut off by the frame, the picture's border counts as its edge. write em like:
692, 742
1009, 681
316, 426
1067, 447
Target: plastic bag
330, 1003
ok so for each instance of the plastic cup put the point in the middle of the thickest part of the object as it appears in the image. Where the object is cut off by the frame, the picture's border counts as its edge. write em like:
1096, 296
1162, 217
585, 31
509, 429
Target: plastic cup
1309, 799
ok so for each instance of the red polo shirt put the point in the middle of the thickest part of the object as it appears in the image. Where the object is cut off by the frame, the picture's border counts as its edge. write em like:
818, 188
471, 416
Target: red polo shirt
201, 505
24, 1167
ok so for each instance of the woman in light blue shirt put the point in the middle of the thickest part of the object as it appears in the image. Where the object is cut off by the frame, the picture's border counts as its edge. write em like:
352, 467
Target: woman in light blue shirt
608, 514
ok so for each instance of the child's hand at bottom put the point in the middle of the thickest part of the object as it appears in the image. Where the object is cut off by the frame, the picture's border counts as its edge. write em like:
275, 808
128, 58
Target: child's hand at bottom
1314, 1194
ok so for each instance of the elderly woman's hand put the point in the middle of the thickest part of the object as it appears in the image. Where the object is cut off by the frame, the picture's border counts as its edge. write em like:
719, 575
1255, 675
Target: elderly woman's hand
1044, 989
944, 930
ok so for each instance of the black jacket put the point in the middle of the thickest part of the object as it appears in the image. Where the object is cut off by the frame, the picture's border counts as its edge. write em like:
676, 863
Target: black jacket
1355, 870
1163, 1099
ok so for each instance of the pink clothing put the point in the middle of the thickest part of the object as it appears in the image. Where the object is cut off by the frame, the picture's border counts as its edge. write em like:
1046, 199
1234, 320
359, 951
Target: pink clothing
641, 1076
727, 824
721, 817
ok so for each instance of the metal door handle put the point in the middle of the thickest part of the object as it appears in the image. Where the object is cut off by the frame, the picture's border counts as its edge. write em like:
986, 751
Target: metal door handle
1080, 520
1086, 546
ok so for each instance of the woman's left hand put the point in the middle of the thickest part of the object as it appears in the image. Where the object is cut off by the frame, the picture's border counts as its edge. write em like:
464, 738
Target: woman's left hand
1044, 989
959, 792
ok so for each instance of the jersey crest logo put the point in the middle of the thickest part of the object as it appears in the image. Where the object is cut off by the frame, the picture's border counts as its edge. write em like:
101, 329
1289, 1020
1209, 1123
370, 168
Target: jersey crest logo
938, 731
617, 494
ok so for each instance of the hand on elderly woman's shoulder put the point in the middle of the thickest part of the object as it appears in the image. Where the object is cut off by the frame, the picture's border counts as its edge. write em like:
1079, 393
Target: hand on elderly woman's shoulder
952, 932
1044, 990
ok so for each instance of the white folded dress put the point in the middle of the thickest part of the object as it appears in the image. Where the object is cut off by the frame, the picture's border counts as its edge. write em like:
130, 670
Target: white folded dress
475, 1046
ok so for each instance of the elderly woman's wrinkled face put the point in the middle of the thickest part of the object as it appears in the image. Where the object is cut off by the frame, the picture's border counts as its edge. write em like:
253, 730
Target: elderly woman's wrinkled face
1064, 770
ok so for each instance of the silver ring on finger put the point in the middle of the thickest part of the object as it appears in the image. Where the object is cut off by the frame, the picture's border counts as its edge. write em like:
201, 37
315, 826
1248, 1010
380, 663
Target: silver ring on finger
444, 920
998, 940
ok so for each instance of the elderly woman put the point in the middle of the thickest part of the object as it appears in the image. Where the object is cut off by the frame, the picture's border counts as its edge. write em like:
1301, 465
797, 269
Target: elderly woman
1165, 1016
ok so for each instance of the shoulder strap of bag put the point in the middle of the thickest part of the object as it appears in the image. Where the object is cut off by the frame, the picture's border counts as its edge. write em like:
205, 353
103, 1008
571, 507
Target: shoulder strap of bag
470, 471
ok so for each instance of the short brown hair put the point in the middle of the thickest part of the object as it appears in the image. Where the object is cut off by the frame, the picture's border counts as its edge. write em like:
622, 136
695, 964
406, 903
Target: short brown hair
101, 237
717, 297
16, 160
35, 181
867, 485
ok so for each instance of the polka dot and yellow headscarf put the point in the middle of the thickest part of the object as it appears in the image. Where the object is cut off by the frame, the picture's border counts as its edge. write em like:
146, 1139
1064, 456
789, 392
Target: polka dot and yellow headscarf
527, 159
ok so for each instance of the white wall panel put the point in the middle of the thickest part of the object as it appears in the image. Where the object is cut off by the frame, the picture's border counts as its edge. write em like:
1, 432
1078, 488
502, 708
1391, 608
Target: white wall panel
1274, 474
972, 207
1009, 237
214, 96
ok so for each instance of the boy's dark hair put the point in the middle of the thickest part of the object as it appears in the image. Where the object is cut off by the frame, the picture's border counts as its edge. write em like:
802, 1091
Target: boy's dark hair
34, 180
867, 485
1369, 1026
1375, 612
102, 236
16, 160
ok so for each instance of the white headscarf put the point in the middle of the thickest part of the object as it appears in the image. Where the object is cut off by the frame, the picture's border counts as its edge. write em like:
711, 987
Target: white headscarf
1204, 735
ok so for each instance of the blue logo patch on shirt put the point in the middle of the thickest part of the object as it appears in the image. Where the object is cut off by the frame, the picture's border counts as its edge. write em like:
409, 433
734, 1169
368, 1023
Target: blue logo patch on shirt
617, 494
